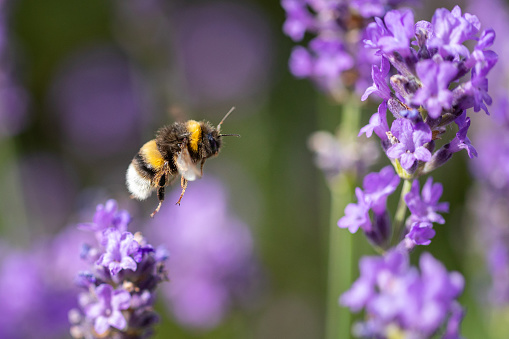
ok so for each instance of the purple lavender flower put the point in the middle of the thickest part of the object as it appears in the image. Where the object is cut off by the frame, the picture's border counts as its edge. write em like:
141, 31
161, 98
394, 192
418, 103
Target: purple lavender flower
357, 215
107, 216
380, 86
118, 250
298, 19
377, 123
412, 139
377, 187
425, 207
421, 233
461, 141
119, 285
434, 94
106, 311
451, 30
400, 29
397, 297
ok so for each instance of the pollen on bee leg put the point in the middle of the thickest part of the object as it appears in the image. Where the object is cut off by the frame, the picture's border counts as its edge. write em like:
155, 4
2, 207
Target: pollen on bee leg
183, 184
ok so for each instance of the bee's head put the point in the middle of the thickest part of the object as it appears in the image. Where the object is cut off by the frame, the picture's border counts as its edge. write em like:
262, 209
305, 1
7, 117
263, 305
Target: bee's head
211, 139
211, 142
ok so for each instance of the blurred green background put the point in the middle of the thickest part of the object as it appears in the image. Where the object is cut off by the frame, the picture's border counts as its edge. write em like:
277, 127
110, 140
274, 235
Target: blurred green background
182, 62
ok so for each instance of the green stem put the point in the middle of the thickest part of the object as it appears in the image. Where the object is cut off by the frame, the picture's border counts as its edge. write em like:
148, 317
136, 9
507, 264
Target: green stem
340, 267
399, 217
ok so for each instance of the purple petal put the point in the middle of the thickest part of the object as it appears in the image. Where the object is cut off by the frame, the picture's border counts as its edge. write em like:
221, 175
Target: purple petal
101, 324
407, 160
117, 320
121, 300
422, 154
128, 263
395, 151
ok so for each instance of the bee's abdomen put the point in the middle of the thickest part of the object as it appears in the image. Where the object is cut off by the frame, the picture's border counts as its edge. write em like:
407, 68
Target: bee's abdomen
139, 179
143, 167
152, 158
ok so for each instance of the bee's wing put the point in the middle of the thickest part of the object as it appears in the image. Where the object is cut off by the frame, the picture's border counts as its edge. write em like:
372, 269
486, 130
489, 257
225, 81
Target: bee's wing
186, 167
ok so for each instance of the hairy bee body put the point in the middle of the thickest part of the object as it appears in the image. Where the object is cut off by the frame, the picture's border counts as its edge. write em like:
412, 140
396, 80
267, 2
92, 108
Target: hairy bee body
178, 149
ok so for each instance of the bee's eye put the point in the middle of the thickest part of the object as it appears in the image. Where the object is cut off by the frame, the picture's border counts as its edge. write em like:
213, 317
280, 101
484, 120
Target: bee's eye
213, 143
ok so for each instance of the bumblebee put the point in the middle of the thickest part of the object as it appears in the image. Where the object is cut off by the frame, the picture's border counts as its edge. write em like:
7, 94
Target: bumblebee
178, 149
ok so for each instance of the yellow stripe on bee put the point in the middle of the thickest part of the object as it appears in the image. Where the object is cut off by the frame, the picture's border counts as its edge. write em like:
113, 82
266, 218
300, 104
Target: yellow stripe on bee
152, 155
194, 128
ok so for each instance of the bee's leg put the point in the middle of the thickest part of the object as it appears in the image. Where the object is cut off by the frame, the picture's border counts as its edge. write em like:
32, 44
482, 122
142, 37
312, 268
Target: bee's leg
160, 194
201, 167
183, 184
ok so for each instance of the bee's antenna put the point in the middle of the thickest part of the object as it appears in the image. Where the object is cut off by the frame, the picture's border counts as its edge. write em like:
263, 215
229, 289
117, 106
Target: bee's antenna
226, 116
230, 135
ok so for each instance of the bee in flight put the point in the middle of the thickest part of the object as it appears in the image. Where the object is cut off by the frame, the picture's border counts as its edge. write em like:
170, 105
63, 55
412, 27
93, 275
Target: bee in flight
178, 149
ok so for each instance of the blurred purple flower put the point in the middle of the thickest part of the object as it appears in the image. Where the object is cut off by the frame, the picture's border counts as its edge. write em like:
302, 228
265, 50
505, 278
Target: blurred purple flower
212, 261
106, 311
47, 175
334, 155
398, 297
31, 289
490, 197
98, 103
223, 50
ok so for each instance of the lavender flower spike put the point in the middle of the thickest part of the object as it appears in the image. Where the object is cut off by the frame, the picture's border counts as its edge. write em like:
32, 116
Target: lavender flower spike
436, 80
118, 289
